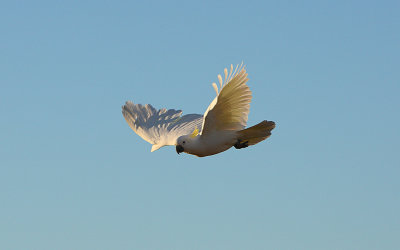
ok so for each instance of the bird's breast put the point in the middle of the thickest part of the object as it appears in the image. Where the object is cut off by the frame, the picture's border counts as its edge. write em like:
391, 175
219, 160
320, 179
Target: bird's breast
214, 143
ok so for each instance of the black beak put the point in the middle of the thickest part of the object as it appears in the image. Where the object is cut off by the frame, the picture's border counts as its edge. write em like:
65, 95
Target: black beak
179, 149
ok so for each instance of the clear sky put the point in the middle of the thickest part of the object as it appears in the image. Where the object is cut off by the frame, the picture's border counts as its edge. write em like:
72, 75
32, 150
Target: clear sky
75, 176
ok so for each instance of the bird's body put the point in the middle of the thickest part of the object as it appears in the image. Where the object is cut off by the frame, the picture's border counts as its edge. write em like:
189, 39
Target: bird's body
221, 127
214, 143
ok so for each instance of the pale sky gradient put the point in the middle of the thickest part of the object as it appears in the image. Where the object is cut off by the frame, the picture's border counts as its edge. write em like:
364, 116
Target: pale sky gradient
75, 176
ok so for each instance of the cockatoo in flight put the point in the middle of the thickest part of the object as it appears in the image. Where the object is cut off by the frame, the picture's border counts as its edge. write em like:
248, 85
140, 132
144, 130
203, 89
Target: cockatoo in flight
221, 127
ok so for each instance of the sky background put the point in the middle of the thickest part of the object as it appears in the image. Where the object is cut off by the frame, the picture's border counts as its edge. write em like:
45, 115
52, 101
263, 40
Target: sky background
73, 175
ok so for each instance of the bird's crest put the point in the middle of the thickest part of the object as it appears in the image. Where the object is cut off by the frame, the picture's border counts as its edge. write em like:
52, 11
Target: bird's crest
195, 133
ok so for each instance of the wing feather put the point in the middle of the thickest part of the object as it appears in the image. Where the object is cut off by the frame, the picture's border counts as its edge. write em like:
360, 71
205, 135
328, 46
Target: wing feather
230, 108
159, 127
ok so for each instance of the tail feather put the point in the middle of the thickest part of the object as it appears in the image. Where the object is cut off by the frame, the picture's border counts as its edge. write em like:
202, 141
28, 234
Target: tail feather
256, 133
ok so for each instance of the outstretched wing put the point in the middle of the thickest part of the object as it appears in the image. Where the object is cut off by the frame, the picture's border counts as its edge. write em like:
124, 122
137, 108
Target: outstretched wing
230, 108
159, 127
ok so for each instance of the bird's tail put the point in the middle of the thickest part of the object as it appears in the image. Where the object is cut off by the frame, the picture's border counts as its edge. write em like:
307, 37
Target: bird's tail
256, 133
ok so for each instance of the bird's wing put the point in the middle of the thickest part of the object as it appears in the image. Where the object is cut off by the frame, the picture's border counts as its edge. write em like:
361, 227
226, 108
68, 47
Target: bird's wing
230, 108
159, 127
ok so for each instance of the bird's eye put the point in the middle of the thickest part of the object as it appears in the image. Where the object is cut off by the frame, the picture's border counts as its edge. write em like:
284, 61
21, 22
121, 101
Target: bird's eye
183, 142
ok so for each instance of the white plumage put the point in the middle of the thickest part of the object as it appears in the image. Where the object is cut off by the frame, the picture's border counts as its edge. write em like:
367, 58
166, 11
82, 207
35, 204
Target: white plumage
230, 108
222, 127
159, 127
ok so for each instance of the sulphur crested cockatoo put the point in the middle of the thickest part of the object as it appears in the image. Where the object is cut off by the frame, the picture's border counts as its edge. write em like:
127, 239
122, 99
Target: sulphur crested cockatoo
221, 127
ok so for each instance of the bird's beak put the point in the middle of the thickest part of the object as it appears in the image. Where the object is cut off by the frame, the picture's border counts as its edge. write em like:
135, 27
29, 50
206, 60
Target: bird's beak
179, 149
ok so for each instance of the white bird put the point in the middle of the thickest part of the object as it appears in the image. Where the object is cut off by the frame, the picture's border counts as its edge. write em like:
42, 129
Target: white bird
223, 125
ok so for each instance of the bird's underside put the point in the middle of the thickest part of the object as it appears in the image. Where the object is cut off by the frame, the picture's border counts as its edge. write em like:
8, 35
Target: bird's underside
221, 127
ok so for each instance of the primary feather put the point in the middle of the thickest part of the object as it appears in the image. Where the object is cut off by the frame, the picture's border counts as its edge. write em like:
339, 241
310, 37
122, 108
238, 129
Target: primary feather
159, 127
230, 108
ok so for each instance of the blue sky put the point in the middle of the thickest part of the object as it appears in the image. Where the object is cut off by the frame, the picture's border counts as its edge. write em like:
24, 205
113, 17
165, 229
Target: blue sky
74, 176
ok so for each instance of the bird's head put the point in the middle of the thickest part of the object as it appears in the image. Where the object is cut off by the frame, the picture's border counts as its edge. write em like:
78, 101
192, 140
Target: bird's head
186, 142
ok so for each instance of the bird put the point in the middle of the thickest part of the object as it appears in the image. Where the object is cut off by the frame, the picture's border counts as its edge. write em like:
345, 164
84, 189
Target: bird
222, 126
